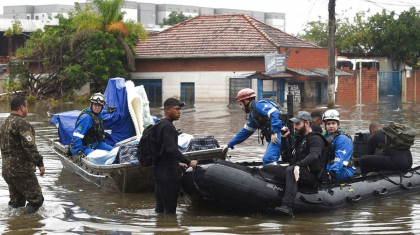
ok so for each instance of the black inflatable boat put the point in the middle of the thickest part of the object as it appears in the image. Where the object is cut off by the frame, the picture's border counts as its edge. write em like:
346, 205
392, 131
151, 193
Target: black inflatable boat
244, 186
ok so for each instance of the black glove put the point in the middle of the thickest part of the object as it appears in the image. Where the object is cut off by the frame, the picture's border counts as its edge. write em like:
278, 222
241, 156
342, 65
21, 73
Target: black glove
331, 175
111, 109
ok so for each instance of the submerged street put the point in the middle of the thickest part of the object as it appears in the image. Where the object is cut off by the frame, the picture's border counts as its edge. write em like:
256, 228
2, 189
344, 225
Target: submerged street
74, 206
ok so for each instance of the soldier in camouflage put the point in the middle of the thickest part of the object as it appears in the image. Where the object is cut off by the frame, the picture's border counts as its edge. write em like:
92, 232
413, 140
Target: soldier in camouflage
20, 157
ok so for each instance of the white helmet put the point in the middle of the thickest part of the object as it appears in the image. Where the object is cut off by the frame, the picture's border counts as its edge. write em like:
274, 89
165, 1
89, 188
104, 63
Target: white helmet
98, 98
331, 114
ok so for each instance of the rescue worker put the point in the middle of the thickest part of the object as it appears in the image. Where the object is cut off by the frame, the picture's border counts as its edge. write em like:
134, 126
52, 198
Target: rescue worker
264, 116
307, 163
89, 132
340, 164
20, 157
381, 157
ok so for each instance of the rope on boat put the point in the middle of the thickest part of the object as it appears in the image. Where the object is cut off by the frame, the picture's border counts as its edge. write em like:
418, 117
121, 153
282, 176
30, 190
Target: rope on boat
399, 184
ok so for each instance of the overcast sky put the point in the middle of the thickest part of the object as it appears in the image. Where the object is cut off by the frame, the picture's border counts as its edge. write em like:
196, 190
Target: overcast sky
298, 12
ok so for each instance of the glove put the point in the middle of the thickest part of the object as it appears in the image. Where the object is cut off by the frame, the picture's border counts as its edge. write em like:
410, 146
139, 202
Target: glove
296, 171
111, 109
331, 175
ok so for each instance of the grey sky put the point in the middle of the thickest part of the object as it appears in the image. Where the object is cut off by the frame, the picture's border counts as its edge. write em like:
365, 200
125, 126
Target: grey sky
298, 12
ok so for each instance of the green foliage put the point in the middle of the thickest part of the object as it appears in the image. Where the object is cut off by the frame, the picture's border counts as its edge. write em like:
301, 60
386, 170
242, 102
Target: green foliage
380, 34
84, 99
397, 38
175, 18
70, 96
350, 37
31, 99
89, 45
316, 32
16, 28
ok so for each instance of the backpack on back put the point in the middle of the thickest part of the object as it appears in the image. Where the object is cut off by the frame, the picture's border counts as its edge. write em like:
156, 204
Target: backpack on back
146, 150
397, 136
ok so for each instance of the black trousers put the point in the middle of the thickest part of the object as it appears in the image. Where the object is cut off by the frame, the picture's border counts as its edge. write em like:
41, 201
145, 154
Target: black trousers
166, 189
306, 179
398, 160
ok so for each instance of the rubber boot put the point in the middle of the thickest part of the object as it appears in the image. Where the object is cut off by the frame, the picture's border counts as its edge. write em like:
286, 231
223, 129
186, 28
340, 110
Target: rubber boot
30, 209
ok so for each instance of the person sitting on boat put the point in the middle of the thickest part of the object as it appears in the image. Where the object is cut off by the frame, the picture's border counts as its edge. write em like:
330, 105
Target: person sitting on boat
307, 163
89, 132
316, 121
382, 158
374, 126
340, 164
264, 116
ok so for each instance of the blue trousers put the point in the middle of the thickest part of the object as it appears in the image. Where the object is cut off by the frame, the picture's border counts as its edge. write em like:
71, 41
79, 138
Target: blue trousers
345, 173
272, 153
101, 145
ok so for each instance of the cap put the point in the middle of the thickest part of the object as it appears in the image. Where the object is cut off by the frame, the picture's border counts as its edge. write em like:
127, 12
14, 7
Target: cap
173, 102
301, 115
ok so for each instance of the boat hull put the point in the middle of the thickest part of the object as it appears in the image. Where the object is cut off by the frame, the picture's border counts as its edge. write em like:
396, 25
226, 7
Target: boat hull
243, 188
124, 178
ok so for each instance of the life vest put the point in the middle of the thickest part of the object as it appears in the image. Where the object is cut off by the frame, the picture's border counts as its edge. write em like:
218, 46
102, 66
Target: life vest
331, 149
263, 122
301, 150
96, 132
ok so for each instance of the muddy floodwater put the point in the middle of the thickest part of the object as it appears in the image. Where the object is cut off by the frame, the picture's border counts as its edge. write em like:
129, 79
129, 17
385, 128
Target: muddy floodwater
75, 206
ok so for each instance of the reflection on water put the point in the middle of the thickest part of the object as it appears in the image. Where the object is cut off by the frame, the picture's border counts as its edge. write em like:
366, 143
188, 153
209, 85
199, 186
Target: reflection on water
74, 206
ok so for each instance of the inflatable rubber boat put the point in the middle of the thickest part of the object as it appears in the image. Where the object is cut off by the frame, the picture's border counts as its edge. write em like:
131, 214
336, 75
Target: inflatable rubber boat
244, 186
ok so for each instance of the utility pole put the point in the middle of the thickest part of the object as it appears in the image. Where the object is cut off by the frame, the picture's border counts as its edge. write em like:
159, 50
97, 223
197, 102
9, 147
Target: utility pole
331, 54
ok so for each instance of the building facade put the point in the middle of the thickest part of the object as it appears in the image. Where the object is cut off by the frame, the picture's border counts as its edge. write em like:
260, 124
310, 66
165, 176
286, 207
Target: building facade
151, 15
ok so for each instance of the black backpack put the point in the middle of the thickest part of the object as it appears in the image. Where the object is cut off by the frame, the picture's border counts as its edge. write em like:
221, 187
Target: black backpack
146, 150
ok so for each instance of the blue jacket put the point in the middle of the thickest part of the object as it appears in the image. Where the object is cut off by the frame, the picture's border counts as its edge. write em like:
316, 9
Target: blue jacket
265, 108
343, 146
84, 123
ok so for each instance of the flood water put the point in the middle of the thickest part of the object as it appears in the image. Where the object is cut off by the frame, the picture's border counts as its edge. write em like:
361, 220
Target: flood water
74, 206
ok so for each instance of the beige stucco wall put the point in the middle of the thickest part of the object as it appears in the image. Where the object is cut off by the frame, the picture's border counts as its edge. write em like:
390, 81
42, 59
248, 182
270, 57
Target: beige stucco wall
209, 86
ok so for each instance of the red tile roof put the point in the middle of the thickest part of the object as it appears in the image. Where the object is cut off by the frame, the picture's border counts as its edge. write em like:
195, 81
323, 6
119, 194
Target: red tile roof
217, 35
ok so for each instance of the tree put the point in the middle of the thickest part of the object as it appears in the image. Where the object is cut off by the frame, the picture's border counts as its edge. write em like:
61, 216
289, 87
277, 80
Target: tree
86, 46
351, 36
175, 18
54, 73
397, 38
10, 32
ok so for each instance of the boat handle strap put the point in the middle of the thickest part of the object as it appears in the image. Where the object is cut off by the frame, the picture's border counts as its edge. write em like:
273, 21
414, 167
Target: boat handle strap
382, 192
303, 199
409, 186
353, 199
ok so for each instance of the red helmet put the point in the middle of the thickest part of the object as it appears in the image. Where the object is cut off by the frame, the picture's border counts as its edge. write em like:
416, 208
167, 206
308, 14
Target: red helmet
245, 94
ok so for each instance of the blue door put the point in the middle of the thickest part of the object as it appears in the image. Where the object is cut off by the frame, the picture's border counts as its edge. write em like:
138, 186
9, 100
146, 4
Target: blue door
153, 88
237, 84
188, 93
390, 87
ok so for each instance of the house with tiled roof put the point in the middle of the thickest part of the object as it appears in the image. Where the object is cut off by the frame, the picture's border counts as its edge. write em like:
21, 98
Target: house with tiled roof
209, 58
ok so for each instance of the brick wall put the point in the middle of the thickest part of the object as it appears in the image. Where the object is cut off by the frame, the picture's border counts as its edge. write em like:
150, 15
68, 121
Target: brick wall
410, 87
201, 64
347, 88
369, 86
299, 58
307, 58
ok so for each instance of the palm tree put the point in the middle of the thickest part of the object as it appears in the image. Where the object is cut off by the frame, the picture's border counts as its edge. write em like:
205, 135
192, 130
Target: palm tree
107, 19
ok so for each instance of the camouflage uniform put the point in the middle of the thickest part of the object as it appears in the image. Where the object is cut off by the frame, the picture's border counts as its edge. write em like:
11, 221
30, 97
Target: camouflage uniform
20, 157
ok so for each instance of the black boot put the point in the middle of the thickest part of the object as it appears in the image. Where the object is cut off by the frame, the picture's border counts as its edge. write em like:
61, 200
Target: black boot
30, 209
285, 209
